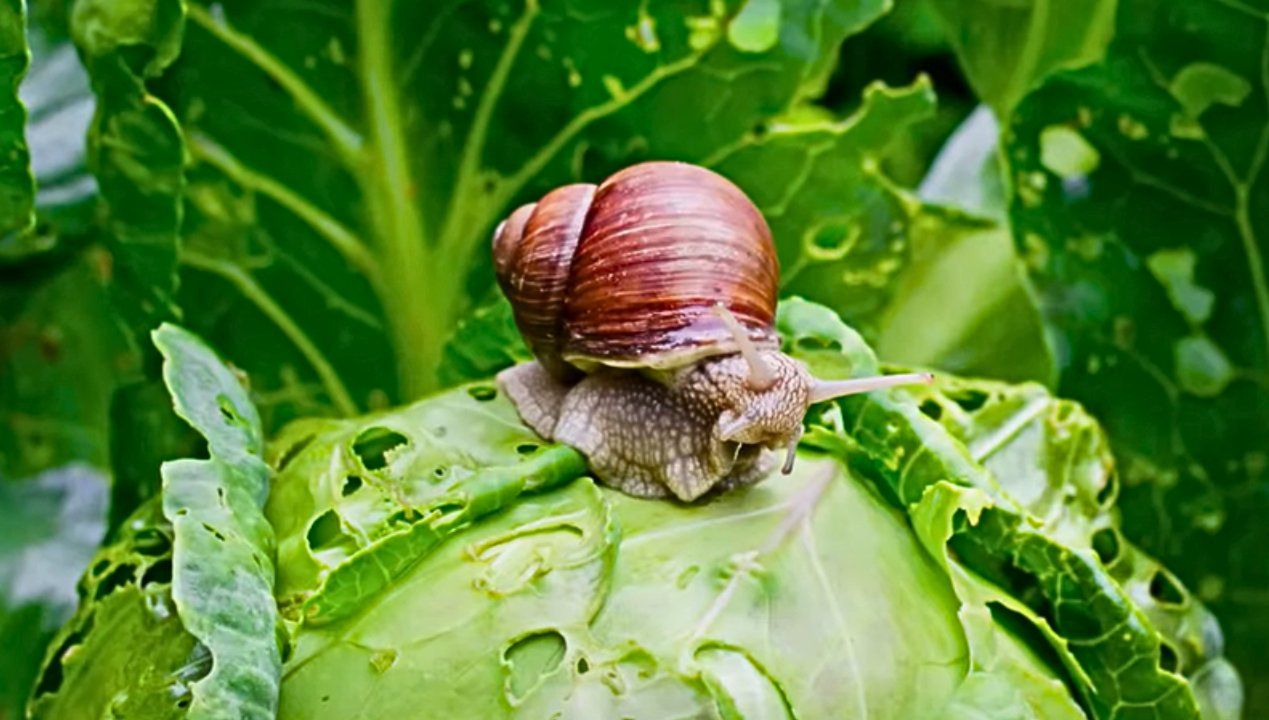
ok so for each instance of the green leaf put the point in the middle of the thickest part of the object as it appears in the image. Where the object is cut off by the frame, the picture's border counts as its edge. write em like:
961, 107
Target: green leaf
987, 327
841, 228
350, 584
60, 107
1151, 268
358, 503
136, 150
60, 350
56, 105
222, 565
484, 343
1049, 575
589, 603
17, 184
61, 355
1007, 48
334, 173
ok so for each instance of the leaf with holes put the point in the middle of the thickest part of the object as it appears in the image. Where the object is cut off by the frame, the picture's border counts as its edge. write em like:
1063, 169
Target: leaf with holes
953, 555
358, 503
976, 467
1141, 206
583, 601
222, 565
125, 650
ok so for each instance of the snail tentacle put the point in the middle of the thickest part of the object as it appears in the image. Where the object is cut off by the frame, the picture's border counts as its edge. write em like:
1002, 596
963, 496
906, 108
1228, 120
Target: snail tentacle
761, 375
822, 390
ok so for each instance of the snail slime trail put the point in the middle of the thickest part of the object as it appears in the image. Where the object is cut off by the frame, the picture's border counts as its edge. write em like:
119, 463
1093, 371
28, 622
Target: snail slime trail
649, 304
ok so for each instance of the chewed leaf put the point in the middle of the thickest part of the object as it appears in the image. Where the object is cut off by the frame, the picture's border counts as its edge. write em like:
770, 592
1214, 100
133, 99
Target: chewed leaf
1045, 572
369, 570
210, 397
445, 613
222, 558
1151, 269
125, 651
843, 249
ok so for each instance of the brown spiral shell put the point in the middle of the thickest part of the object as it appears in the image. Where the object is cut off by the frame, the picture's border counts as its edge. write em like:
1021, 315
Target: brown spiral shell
627, 274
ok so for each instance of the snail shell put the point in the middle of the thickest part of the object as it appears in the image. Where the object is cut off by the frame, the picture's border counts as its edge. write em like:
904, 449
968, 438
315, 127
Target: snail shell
630, 273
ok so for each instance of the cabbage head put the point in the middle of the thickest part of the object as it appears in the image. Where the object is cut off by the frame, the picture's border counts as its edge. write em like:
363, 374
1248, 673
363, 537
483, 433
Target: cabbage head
942, 552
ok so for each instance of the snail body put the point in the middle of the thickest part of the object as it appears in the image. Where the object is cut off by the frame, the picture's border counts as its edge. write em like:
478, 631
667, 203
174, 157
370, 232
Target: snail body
649, 302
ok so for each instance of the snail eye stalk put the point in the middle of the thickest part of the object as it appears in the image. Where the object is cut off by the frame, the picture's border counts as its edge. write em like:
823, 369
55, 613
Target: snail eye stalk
823, 390
761, 375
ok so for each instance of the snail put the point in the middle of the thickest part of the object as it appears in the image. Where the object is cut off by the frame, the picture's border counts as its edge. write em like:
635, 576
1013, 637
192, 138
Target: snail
649, 304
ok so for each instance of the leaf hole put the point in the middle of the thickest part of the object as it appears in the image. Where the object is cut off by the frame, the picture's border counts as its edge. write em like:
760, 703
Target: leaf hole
214, 532
446, 510
373, 445
1022, 628
120, 576
53, 675
151, 542
970, 400
352, 484
527, 448
835, 239
159, 572
1106, 544
583, 666
483, 393
198, 664
1108, 492
325, 532
530, 660
1165, 588
931, 409
1169, 661
229, 412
